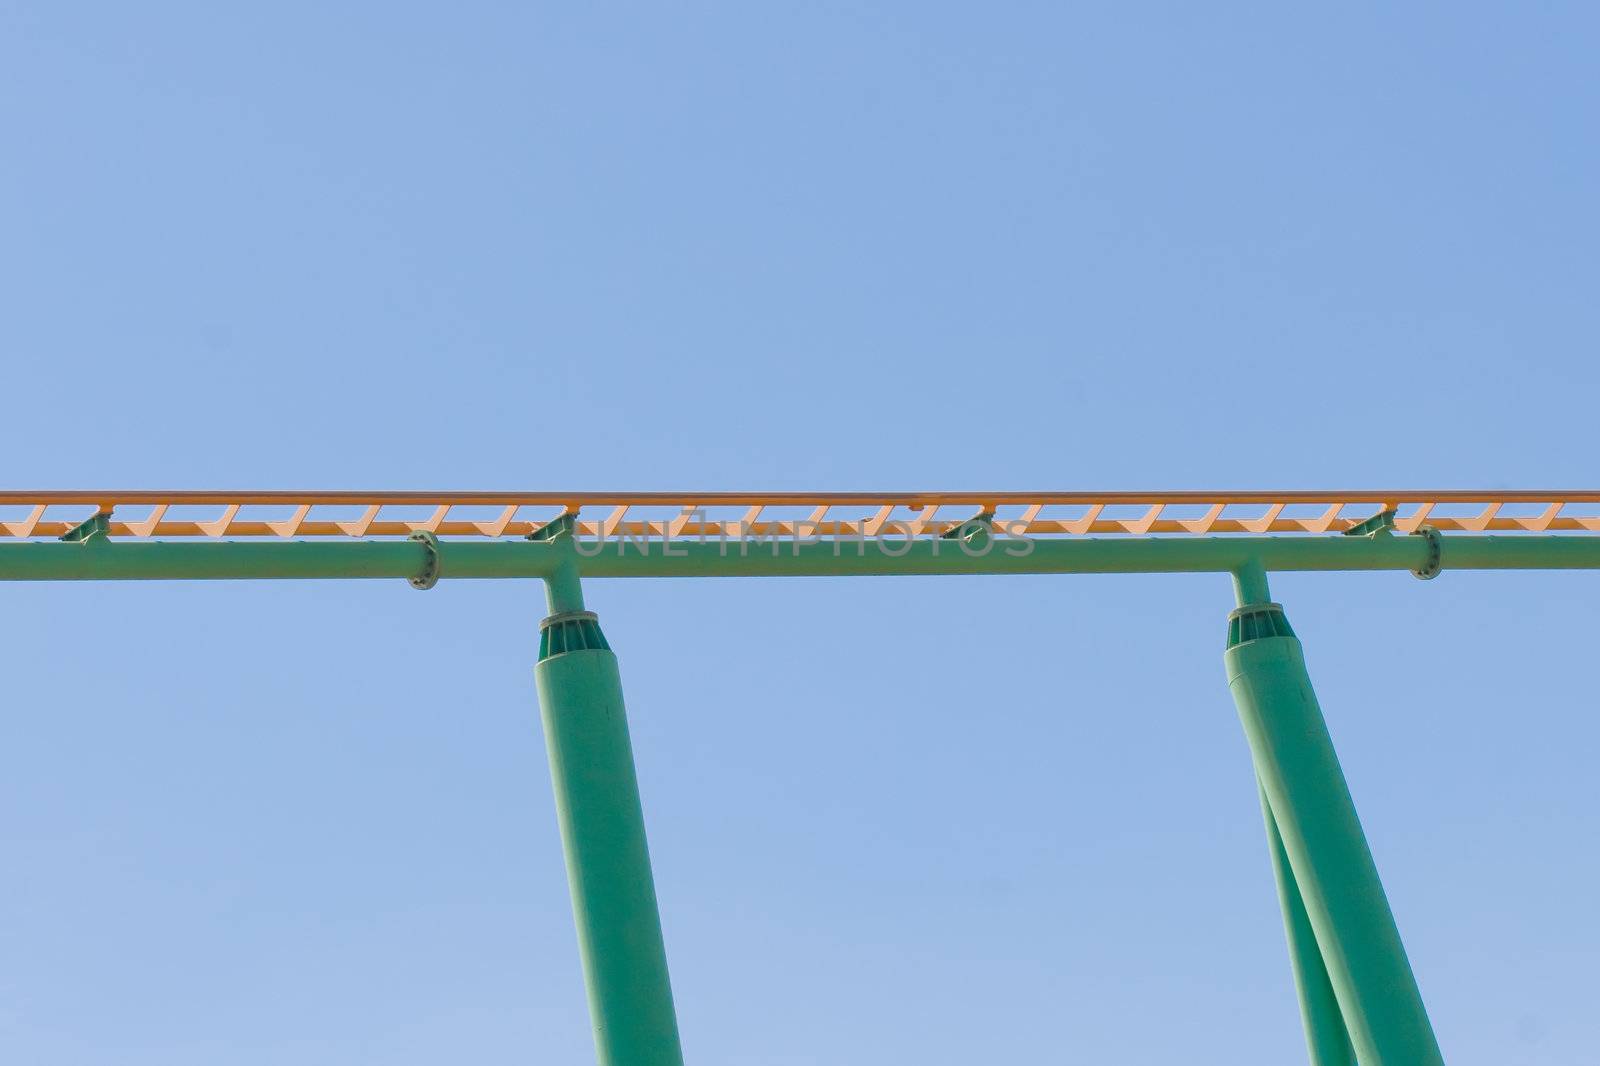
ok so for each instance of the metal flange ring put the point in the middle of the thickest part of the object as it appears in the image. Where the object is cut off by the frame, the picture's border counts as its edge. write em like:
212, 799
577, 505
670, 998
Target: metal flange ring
430, 573
1430, 570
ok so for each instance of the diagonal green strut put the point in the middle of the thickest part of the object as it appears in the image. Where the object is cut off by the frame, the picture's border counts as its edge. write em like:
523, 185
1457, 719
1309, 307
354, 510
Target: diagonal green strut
1326, 1038
1325, 868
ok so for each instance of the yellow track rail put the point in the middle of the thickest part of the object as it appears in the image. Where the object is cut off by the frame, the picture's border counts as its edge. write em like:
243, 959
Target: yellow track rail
791, 515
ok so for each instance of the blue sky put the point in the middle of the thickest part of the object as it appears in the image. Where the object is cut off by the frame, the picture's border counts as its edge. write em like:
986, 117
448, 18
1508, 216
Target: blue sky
787, 246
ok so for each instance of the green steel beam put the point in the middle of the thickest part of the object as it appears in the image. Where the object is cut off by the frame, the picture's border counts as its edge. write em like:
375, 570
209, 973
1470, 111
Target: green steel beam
100, 559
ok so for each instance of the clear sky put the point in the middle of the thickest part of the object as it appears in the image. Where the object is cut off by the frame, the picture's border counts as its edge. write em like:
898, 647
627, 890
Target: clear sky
787, 246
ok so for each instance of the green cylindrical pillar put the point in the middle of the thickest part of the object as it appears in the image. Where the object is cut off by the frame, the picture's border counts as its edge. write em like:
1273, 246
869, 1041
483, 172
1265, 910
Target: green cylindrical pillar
1327, 1041
1327, 852
602, 832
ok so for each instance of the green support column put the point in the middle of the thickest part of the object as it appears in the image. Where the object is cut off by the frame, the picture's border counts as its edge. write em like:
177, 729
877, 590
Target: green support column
1324, 850
1326, 1037
602, 833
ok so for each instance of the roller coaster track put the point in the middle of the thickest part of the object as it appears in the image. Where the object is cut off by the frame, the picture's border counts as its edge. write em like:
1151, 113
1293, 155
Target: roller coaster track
28, 515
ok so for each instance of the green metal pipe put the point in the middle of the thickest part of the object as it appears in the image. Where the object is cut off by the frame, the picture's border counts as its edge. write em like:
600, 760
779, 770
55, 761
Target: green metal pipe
1250, 584
226, 560
1321, 835
563, 590
1326, 1039
603, 837
1089, 555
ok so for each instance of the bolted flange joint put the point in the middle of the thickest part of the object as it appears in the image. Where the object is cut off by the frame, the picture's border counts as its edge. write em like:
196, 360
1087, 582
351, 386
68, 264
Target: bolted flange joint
430, 573
1430, 569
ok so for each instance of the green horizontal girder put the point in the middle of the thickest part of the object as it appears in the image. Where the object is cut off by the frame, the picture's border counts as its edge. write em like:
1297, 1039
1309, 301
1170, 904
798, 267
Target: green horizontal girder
102, 559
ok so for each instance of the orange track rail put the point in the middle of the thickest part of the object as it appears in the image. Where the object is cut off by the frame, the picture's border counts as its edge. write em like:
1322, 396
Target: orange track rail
712, 515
